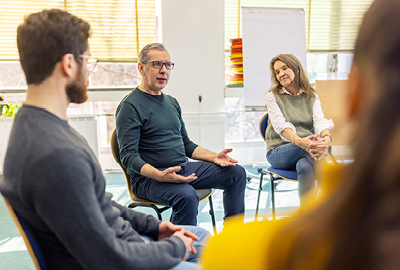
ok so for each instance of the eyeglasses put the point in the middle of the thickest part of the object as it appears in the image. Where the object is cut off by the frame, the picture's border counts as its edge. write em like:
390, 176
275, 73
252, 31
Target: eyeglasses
159, 64
91, 61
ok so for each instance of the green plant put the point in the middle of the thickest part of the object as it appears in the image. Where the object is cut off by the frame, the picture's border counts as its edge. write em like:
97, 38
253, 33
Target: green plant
9, 109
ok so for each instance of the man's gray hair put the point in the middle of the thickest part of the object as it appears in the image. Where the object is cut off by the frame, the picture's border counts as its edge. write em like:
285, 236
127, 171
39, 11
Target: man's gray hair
144, 53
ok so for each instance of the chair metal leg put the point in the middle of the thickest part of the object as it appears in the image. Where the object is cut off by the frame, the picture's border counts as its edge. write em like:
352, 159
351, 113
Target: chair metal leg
212, 215
158, 210
259, 193
272, 195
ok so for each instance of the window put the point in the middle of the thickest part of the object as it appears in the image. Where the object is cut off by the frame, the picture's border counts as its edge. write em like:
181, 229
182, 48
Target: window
324, 66
119, 27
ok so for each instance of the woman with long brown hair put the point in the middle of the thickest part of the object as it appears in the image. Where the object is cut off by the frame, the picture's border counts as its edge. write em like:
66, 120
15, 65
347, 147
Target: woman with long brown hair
357, 224
297, 134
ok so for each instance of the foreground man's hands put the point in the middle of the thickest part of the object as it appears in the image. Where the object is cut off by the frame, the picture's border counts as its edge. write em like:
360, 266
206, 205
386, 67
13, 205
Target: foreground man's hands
167, 229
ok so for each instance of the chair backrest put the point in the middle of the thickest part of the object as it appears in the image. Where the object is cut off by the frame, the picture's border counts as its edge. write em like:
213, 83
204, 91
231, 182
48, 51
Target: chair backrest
115, 151
29, 238
263, 125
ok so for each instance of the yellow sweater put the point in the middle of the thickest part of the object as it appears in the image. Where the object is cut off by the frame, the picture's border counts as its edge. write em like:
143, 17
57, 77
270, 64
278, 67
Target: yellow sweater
245, 246
241, 246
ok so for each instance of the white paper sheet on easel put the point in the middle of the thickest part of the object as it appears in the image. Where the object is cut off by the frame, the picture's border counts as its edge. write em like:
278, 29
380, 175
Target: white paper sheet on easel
268, 32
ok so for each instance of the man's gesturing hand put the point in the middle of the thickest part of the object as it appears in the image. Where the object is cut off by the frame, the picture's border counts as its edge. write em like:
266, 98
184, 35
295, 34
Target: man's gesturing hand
169, 175
223, 160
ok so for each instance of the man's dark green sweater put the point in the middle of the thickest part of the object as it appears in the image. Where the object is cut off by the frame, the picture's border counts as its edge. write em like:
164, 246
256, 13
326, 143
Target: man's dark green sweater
151, 131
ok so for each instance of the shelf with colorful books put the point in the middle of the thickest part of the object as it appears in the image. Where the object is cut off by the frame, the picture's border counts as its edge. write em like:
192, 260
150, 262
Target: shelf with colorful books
235, 68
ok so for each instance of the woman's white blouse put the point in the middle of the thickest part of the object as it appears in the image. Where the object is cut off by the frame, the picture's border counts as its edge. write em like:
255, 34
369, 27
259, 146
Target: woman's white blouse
279, 122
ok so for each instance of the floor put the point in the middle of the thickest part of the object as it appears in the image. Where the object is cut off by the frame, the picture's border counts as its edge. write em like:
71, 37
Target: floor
14, 255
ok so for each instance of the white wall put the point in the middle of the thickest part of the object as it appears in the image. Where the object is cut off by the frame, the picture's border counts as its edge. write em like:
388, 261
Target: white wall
193, 33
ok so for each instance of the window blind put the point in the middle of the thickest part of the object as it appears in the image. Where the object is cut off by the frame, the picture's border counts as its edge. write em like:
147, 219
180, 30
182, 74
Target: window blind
331, 25
334, 24
120, 28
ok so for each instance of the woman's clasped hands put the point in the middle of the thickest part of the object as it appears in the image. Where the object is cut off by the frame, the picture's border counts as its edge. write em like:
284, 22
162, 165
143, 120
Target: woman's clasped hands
314, 145
318, 146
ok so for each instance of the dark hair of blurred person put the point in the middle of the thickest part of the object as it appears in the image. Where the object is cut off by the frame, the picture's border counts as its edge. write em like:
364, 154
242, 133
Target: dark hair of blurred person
356, 224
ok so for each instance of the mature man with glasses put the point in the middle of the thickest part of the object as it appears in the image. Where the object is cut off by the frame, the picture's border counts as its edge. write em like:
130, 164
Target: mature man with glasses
155, 147
52, 178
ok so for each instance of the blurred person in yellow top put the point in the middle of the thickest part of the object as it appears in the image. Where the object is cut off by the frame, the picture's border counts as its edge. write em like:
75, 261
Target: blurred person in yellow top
355, 224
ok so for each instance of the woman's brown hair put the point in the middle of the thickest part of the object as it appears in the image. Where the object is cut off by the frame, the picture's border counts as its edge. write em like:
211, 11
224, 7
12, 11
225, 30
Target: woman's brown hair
300, 75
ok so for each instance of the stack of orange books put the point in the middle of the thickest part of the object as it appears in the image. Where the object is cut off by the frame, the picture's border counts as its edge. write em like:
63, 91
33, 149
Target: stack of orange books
236, 65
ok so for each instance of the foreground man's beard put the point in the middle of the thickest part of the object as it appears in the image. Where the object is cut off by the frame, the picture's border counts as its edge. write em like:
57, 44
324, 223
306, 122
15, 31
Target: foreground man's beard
77, 89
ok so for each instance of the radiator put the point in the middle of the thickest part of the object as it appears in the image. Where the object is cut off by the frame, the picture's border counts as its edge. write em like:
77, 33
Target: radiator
85, 125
